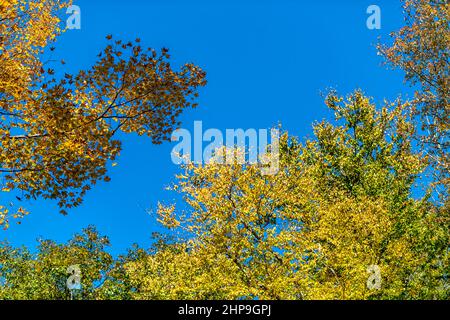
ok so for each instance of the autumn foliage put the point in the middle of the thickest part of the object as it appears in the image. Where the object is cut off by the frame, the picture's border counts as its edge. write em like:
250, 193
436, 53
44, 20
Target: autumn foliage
57, 135
422, 50
344, 200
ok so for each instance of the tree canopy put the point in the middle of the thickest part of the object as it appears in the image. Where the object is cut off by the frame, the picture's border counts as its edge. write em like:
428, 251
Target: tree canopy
340, 203
57, 135
344, 217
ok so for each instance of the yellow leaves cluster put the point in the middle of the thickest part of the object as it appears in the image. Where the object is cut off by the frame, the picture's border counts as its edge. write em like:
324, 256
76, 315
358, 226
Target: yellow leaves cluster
5, 214
182, 272
167, 217
339, 204
26, 27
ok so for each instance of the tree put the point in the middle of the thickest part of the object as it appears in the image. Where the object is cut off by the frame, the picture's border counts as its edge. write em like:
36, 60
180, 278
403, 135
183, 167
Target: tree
339, 204
44, 275
422, 50
57, 135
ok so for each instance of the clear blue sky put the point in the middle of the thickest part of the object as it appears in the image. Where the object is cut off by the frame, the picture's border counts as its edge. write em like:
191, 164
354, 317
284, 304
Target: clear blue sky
267, 62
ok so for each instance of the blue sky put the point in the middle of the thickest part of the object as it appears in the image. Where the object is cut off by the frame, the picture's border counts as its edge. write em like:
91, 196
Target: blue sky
267, 62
